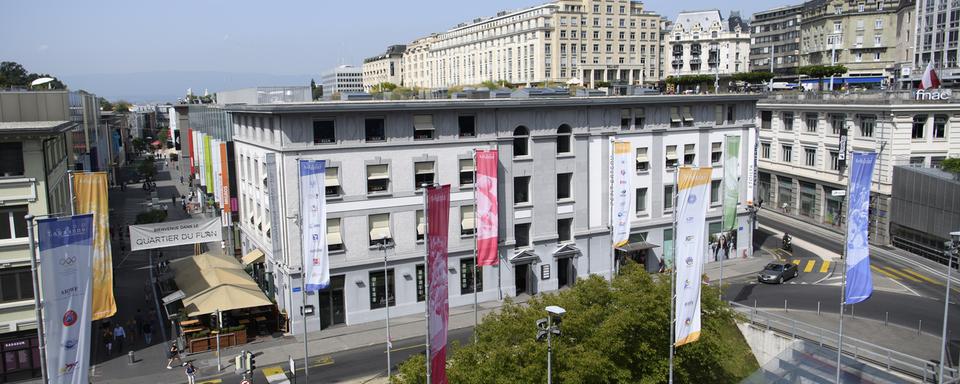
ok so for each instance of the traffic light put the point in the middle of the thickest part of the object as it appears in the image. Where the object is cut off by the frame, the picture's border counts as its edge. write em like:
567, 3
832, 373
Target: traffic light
251, 363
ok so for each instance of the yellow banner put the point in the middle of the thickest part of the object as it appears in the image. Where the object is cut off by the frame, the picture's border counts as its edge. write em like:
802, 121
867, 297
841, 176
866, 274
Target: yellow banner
90, 189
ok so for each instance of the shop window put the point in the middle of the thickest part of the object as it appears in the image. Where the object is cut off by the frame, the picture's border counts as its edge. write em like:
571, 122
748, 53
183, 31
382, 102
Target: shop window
379, 295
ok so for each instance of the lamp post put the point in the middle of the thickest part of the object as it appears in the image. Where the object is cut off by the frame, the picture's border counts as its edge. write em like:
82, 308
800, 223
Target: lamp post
833, 55
952, 247
546, 330
384, 244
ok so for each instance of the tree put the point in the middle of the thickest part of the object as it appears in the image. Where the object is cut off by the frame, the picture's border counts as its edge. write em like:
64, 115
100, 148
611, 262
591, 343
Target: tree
139, 145
13, 74
147, 168
121, 106
952, 165
385, 86
315, 91
753, 77
614, 332
822, 71
105, 105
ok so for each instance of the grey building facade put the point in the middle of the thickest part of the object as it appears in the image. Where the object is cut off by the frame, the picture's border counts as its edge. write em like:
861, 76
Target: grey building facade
925, 208
776, 37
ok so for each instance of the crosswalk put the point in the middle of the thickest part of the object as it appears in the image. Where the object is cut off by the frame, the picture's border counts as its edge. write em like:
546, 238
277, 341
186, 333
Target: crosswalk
903, 274
810, 265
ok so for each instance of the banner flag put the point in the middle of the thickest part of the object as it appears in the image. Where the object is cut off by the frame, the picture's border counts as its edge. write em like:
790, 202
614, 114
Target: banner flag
190, 146
620, 219
731, 181
224, 182
488, 219
313, 222
66, 254
438, 218
208, 163
215, 161
691, 211
173, 233
859, 280
90, 189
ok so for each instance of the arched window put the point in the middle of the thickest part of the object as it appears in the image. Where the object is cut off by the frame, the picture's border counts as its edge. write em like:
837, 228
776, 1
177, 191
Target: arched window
563, 139
521, 138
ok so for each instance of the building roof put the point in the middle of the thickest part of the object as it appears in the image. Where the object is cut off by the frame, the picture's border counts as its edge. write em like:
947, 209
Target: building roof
36, 126
687, 19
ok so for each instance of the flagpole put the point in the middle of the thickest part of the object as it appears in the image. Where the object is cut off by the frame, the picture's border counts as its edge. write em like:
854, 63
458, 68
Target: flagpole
303, 279
673, 271
476, 238
426, 275
36, 297
843, 279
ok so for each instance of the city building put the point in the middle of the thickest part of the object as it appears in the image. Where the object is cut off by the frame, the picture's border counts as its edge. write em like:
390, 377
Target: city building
801, 166
564, 41
342, 79
775, 41
36, 134
385, 68
925, 208
265, 95
937, 39
862, 36
702, 43
906, 44
553, 190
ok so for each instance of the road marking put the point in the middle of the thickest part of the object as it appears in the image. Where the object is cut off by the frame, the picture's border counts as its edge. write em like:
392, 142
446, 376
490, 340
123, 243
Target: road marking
922, 276
326, 360
897, 272
825, 266
809, 267
214, 381
797, 262
405, 348
270, 371
882, 272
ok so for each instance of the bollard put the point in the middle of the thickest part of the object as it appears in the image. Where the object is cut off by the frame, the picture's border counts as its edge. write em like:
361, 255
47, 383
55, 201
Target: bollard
818, 308
886, 318
784, 305
131, 358
851, 311
754, 305
919, 325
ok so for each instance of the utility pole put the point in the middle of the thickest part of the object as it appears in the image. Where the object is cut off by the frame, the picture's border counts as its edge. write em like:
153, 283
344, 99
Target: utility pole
951, 250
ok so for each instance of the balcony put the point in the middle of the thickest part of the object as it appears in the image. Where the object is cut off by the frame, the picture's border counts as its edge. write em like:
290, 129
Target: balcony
695, 61
677, 62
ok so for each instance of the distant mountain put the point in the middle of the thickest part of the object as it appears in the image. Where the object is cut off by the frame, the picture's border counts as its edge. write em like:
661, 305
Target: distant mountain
168, 86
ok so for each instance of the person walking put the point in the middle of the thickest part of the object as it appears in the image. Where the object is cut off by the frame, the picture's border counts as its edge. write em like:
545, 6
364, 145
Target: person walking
191, 373
147, 330
107, 341
119, 334
174, 354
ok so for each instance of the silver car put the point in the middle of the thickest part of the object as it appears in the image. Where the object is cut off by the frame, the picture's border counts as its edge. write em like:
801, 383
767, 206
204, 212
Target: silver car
778, 273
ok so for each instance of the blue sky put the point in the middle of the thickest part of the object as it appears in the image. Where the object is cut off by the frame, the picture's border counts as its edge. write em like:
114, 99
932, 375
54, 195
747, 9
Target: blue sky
277, 37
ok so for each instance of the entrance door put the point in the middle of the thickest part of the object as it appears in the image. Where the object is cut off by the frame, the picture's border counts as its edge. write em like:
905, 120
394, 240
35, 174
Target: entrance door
564, 272
332, 309
521, 272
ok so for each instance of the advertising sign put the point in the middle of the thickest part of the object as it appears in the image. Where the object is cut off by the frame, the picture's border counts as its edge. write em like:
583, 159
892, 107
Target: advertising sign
692, 201
313, 224
620, 219
859, 280
173, 233
731, 182
487, 209
90, 189
438, 218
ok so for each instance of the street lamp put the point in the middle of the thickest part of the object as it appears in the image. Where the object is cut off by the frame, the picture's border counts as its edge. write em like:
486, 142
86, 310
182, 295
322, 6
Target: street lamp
384, 245
547, 329
952, 247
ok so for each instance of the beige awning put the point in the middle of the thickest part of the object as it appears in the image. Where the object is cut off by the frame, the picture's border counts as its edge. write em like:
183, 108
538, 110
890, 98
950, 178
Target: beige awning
642, 155
331, 179
379, 227
687, 115
671, 152
422, 168
689, 149
466, 165
716, 147
421, 223
378, 172
639, 112
625, 113
674, 115
212, 282
467, 223
255, 256
333, 232
421, 122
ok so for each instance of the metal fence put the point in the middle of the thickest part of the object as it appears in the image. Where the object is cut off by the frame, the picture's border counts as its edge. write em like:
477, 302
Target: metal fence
862, 351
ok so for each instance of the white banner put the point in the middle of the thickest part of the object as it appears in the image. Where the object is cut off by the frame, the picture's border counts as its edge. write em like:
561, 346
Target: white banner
620, 216
215, 156
313, 219
66, 260
692, 201
168, 234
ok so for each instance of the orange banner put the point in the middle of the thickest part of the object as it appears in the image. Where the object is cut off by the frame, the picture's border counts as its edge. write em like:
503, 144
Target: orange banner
90, 191
224, 180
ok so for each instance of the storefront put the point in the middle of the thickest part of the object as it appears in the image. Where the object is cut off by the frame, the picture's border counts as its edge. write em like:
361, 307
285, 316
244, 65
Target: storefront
833, 206
21, 357
785, 194
808, 199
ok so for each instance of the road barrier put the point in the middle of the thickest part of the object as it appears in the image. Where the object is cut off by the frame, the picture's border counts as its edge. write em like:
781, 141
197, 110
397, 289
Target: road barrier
861, 351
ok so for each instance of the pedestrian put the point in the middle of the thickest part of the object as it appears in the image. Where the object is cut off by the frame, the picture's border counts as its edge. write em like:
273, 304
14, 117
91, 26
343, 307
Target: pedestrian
174, 354
147, 331
119, 334
716, 248
191, 373
181, 179
107, 341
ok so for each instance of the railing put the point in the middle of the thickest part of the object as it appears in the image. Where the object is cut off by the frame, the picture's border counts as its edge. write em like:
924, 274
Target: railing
859, 350
856, 97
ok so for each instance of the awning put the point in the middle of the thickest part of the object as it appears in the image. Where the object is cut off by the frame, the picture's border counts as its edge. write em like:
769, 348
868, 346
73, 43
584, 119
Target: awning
255, 256
671, 152
330, 177
639, 246
421, 122
674, 115
687, 115
848, 80
378, 172
467, 223
716, 147
379, 227
212, 282
333, 232
625, 113
689, 149
421, 223
642, 155
466, 165
423, 168
639, 112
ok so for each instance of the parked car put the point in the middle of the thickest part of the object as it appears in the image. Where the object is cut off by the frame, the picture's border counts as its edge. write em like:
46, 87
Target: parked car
778, 273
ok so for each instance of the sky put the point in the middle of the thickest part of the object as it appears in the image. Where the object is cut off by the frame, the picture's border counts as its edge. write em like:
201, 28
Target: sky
91, 40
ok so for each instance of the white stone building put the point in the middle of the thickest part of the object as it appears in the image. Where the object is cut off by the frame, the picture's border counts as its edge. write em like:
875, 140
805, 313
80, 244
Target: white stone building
342, 79
385, 68
703, 43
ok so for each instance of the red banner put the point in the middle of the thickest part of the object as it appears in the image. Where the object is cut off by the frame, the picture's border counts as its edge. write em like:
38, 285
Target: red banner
190, 145
438, 219
487, 214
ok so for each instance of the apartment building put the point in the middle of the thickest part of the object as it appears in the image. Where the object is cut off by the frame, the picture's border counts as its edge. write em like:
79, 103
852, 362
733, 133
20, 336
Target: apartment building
801, 162
553, 190
905, 51
342, 79
385, 68
938, 28
775, 41
860, 35
726, 44
35, 142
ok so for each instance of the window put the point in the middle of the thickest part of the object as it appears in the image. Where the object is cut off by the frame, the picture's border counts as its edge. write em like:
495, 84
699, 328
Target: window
12, 222
334, 236
564, 135
811, 122
876, 56
810, 157
421, 283
379, 295
731, 113
625, 118
521, 189
564, 185
423, 127
867, 123
379, 229
689, 154
675, 119
860, 7
332, 182
939, 126
467, 126
718, 114
643, 162
378, 178
522, 234
687, 116
834, 161
565, 230
787, 151
937, 161
716, 153
765, 150
836, 123
765, 119
467, 272
11, 159
639, 117
878, 24
374, 129
421, 225
715, 192
424, 173
521, 139
672, 159
641, 203
466, 172
16, 284
323, 132
917, 161
837, 27
467, 221
919, 125
667, 198
788, 121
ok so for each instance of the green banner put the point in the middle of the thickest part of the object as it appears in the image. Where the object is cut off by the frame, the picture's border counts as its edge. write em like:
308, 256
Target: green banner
208, 162
731, 182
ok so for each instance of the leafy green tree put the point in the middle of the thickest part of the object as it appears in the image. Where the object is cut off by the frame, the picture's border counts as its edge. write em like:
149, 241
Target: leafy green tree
13, 74
753, 77
952, 165
820, 72
147, 168
105, 105
614, 332
122, 106
385, 86
315, 91
139, 145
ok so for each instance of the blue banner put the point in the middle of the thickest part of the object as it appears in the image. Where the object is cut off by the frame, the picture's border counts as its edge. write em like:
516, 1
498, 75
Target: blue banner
313, 221
859, 281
